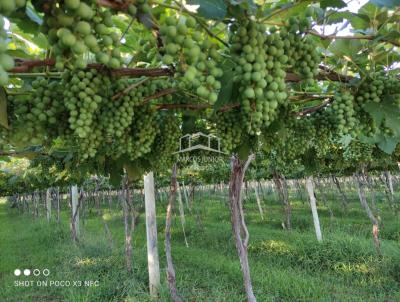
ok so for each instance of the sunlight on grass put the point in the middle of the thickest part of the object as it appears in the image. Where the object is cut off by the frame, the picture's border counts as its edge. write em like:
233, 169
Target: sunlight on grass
87, 261
107, 216
92, 261
271, 246
3, 200
350, 268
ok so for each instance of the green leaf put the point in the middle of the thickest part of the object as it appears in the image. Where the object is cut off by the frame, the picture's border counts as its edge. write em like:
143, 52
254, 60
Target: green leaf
3, 108
345, 140
388, 144
287, 10
342, 47
133, 171
244, 151
115, 170
188, 124
386, 112
332, 3
40, 40
227, 87
210, 9
386, 3
18, 53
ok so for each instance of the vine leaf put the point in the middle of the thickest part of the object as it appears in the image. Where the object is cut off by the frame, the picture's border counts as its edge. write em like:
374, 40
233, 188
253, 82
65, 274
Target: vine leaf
388, 144
345, 140
210, 9
114, 169
228, 90
332, 3
386, 113
287, 10
343, 47
3, 108
225, 93
133, 171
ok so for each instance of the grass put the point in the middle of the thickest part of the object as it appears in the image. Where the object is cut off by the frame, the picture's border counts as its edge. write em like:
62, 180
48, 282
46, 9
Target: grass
285, 266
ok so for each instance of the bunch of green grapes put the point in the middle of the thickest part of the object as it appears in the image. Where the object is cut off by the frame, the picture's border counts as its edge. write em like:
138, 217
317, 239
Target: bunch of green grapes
196, 55
75, 27
301, 51
366, 124
371, 90
117, 114
294, 141
343, 108
147, 51
90, 145
137, 141
375, 86
167, 140
6, 61
229, 129
325, 125
85, 92
259, 74
38, 112
357, 152
7, 7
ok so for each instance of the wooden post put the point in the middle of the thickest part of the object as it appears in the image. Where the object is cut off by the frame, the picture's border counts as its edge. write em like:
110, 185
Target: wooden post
259, 203
313, 204
375, 222
58, 204
75, 212
181, 212
48, 204
151, 231
168, 221
239, 227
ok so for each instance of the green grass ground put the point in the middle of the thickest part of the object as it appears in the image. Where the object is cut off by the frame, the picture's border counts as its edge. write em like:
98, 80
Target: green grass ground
285, 266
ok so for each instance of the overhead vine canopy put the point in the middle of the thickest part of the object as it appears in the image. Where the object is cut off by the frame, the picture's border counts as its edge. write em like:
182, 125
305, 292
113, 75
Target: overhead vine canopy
105, 84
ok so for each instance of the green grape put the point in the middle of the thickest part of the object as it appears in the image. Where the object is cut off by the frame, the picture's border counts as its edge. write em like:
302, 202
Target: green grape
84, 95
37, 113
196, 57
229, 130
325, 125
343, 109
166, 142
6, 61
300, 52
137, 141
358, 153
376, 87
259, 74
78, 27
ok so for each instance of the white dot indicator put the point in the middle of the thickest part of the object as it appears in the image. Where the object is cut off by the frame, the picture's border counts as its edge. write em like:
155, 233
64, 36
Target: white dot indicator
17, 272
27, 272
36, 272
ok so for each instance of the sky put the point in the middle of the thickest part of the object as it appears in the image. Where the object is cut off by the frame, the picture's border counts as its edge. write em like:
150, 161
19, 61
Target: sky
352, 6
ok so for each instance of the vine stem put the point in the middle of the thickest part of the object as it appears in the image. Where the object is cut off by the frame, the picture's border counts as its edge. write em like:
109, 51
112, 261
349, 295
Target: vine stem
356, 37
129, 88
314, 109
26, 65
